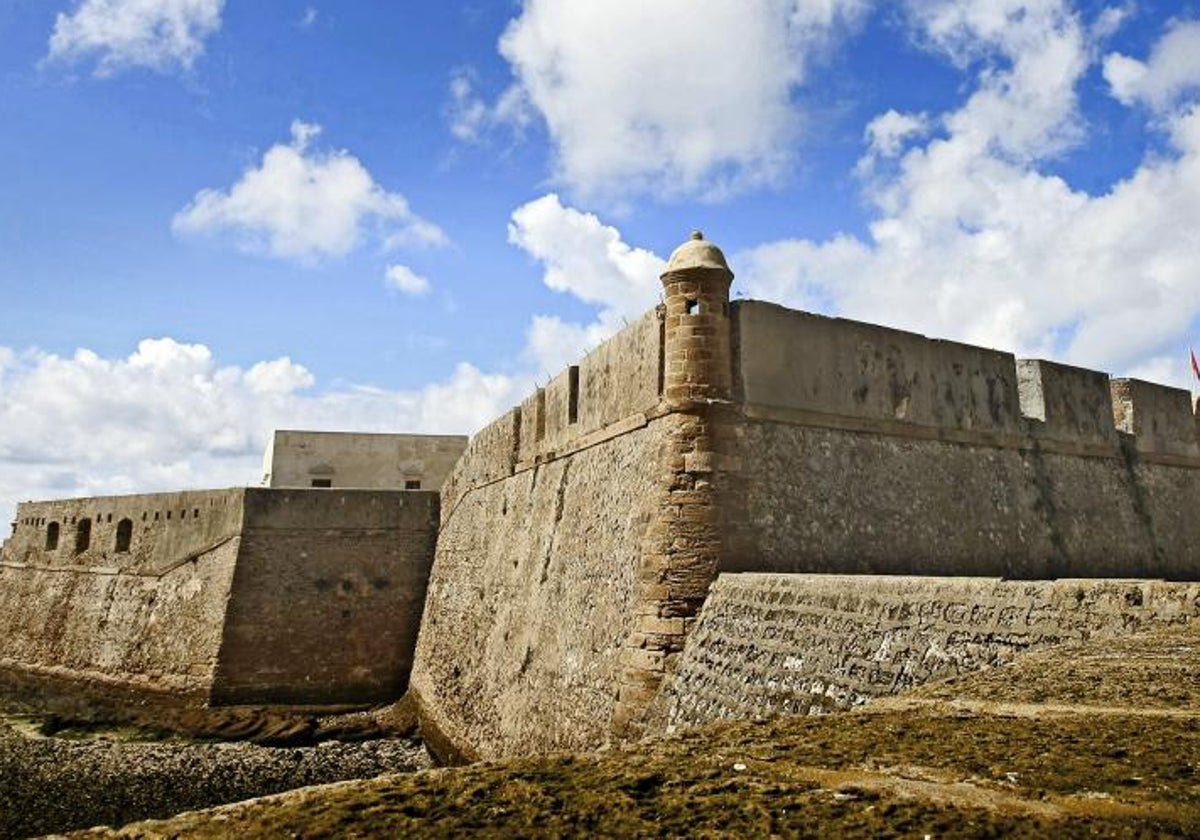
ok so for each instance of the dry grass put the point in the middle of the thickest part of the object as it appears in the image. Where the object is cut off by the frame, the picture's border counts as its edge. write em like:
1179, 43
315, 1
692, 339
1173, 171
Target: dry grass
1102, 740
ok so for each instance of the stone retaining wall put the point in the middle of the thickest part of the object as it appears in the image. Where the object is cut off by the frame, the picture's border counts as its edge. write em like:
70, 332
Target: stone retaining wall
769, 644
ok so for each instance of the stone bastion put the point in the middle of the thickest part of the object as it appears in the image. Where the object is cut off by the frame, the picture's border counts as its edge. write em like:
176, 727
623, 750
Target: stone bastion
247, 596
735, 508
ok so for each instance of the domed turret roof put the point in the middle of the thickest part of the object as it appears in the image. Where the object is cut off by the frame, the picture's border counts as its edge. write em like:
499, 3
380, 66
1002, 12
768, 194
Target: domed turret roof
697, 252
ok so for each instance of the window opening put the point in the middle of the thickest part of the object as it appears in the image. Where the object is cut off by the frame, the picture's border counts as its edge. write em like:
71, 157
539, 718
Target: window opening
322, 482
692, 306
412, 484
539, 418
52, 536
83, 535
573, 394
124, 535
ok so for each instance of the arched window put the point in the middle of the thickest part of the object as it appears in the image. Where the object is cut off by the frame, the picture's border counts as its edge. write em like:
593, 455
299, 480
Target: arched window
83, 535
52, 536
124, 535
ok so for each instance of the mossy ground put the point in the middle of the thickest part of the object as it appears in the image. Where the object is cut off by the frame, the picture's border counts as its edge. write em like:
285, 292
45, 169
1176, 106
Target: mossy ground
1101, 740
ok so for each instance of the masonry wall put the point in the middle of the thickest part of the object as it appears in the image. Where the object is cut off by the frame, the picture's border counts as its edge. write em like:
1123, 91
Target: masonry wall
867, 450
799, 644
255, 596
327, 596
535, 591
100, 627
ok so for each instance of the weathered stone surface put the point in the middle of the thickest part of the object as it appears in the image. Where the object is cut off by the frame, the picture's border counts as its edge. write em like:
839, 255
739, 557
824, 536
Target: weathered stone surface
796, 644
247, 595
850, 369
1069, 403
1159, 417
532, 599
326, 597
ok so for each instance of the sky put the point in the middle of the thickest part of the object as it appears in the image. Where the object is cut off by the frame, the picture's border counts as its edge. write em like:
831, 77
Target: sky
223, 217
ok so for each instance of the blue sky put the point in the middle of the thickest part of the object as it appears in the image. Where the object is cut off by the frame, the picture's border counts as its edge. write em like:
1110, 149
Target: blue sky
219, 217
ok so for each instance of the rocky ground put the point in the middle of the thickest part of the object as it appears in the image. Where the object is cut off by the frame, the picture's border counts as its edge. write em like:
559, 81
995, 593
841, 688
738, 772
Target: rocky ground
76, 778
1099, 740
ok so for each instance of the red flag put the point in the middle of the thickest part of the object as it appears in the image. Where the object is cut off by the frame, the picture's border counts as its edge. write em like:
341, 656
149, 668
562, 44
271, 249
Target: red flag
1195, 364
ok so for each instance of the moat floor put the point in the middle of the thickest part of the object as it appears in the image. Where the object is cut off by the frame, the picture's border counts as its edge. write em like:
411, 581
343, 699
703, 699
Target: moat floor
1098, 740
56, 778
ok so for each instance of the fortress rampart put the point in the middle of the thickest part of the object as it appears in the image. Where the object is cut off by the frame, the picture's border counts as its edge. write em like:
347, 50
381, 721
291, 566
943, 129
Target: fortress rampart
246, 595
582, 531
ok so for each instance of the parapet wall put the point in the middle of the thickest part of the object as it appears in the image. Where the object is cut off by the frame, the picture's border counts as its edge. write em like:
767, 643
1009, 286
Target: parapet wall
163, 529
832, 369
614, 384
868, 450
801, 644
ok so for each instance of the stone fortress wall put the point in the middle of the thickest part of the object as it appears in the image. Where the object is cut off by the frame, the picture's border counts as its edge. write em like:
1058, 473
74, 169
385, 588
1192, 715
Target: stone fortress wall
716, 437
536, 590
245, 595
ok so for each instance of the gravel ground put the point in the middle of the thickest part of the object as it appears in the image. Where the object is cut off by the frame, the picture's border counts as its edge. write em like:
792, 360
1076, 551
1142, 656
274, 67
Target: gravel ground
51, 785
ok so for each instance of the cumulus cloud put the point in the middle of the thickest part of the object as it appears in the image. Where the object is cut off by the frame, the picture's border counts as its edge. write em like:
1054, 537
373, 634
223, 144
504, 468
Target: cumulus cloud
718, 117
162, 35
404, 279
972, 238
588, 259
887, 133
169, 415
304, 203
1171, 72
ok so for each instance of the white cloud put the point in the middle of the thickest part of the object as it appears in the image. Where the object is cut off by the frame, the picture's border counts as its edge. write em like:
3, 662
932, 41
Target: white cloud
467, 113
170, 416
588, 259
673, 98
404, 279
973, 240
1171, 72
162, 35
308, 18
887, 133
301, 203
1111, 19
